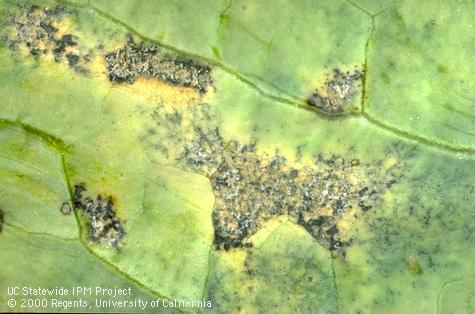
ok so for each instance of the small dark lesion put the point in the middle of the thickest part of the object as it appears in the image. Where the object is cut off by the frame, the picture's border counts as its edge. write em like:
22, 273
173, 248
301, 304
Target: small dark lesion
61, 44
65, 209
337, 94
102, 221
325, 230
135, 60
2, 219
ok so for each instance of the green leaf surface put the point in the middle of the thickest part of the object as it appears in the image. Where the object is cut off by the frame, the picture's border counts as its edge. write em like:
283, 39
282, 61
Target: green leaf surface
57, 263
420, 73
33, 182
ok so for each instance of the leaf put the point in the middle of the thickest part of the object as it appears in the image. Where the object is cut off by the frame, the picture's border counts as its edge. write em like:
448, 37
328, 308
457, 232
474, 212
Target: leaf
231, 188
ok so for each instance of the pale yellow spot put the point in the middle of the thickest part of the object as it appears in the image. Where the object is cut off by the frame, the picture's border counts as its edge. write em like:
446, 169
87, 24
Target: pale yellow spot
390, 162
267, 228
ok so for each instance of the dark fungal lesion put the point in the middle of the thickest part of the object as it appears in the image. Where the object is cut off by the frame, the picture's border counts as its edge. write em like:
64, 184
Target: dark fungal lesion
251, 188
135, 60
185, 134
338, 92
36, 29
102, 222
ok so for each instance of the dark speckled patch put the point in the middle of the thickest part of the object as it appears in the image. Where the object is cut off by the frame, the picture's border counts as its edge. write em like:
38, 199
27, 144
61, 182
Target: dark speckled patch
337, 93
126, 64
36, 29
103, 224
251, 189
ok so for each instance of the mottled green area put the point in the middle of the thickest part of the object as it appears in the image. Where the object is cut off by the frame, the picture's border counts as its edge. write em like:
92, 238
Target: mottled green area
457, 294
425, 221
420, 71
288, 272
411, 252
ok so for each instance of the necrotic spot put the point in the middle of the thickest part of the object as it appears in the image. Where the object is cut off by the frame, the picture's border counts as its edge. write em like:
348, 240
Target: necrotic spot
132, 61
